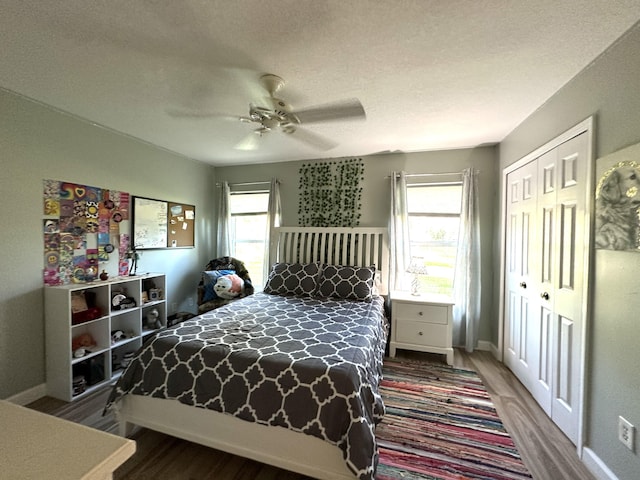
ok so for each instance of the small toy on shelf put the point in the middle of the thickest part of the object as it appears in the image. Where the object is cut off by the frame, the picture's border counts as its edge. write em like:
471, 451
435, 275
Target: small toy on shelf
82, 344
153, 319
117, 335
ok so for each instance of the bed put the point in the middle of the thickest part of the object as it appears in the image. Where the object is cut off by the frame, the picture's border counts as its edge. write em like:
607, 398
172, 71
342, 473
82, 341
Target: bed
307, 359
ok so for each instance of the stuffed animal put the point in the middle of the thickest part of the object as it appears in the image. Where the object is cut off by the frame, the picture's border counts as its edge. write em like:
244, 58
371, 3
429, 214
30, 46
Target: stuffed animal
228, 286
117, 335
153, 319
84, 340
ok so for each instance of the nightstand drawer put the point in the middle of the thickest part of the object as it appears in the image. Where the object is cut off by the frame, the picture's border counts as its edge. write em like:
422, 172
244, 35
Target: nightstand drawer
421, 333
420, 312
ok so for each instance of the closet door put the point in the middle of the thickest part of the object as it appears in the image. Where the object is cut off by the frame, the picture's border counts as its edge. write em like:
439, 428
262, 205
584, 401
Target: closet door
542, 374
521, 278
564, 282
546, 258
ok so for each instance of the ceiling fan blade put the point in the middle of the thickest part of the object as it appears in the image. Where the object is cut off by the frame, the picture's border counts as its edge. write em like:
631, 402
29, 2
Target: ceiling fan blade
340, 110
250, 142
199, 115
312, 139
188, 114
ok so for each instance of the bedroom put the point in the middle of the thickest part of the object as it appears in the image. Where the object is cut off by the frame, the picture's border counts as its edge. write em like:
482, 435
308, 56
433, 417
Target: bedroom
39, 143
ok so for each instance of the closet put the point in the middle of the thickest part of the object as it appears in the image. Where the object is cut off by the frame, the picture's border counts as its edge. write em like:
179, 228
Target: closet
546, 265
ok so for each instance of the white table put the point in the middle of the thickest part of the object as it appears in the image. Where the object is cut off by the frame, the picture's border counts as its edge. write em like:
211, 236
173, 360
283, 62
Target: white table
34, 445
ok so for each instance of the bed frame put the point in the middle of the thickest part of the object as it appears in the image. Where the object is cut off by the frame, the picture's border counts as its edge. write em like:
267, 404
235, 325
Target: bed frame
360, 247
297, 452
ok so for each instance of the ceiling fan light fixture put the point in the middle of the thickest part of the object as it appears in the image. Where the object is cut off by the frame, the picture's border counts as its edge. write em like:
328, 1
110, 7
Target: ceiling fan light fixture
272, 82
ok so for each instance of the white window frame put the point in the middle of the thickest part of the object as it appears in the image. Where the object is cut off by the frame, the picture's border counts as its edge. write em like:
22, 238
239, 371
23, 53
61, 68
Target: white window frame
256, 274
428, 286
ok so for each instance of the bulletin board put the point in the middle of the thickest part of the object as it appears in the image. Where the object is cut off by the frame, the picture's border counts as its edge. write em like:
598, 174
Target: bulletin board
181, 225
162, 224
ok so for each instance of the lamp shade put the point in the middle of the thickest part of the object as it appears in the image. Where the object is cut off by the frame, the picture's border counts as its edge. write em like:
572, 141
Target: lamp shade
417, 266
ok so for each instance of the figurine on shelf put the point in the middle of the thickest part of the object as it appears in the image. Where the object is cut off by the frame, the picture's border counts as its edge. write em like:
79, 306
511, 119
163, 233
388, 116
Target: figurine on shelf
153, 319
133, 257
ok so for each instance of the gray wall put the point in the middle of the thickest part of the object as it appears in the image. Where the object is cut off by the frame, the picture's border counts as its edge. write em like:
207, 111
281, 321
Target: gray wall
376, 195
38, 143
608, 88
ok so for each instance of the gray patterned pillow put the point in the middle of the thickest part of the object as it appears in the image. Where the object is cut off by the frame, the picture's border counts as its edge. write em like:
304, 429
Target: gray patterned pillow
355, 283
293, 279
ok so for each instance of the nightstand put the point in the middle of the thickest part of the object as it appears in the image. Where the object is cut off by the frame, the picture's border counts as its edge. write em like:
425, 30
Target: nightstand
421, 322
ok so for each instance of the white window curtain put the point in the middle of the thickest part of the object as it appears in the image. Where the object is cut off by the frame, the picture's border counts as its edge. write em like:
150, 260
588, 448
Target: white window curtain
274, 215
224, 222
466, 284
398, 232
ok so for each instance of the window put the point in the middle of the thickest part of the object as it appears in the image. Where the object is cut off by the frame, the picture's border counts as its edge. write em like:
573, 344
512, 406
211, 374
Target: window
434, 222
249, 231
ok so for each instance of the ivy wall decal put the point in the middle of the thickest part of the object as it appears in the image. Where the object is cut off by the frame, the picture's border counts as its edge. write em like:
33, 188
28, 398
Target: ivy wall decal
330, 193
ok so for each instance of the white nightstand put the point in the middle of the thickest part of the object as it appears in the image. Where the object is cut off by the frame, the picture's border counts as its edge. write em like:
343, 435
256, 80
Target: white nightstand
421, 322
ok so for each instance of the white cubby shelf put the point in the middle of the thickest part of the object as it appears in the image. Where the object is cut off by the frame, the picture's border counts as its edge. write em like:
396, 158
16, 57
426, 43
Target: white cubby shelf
101, 362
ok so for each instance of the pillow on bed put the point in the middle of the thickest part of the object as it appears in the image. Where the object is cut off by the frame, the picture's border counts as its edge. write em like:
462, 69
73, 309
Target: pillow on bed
354, 283
209, 279
293, 279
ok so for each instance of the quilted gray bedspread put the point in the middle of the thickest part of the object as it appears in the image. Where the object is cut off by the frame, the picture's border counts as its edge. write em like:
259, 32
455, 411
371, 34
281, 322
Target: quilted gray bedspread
307, 364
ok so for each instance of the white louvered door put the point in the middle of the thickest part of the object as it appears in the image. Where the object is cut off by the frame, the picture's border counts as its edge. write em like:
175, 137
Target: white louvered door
545, 259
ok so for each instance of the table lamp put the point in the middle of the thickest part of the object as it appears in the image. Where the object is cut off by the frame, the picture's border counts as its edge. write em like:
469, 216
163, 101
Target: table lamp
416, 267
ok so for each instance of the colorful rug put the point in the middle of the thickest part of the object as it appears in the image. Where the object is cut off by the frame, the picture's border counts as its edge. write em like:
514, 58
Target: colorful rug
440, 424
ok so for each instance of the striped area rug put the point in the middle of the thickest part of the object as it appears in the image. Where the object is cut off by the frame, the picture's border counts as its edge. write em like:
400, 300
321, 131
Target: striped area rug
440, 423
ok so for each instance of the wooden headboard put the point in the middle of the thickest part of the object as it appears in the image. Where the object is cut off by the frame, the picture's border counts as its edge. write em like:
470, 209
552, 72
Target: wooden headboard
357, 246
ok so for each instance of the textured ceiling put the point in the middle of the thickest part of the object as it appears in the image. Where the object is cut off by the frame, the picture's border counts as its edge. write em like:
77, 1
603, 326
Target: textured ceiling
431, 74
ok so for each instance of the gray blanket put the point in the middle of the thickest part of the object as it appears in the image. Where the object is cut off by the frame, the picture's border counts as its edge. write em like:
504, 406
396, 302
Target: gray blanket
307, 364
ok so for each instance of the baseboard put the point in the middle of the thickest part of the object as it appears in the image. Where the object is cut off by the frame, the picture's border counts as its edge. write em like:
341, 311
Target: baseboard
487, 346
495, 351
30, 395
596, 466
483, 345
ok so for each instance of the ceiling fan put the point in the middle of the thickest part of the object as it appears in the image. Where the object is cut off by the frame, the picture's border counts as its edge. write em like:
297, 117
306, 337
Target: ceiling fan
275, 114
278, 114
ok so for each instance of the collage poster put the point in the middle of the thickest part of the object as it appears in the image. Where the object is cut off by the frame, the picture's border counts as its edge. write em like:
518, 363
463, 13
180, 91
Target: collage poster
82, 228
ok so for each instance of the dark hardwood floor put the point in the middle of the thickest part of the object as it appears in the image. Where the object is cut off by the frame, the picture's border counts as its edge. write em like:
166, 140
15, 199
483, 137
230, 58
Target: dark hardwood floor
548, 454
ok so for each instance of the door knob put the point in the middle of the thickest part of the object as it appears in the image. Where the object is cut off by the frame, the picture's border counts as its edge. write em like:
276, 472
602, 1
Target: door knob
523, 284
544, 295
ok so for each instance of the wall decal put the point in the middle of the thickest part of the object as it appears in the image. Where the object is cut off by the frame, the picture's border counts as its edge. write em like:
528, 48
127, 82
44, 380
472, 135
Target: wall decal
330, 193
